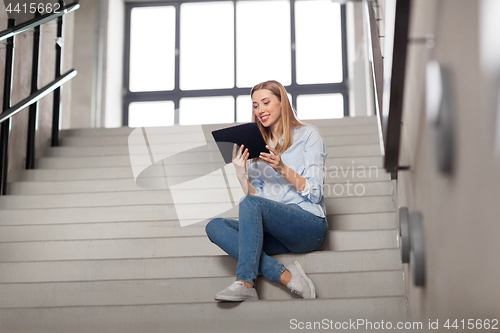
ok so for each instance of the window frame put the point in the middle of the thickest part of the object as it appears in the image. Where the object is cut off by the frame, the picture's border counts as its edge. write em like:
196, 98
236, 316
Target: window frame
177, 94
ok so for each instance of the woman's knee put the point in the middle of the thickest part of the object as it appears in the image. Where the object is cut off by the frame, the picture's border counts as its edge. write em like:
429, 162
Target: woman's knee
250, 201
213, 228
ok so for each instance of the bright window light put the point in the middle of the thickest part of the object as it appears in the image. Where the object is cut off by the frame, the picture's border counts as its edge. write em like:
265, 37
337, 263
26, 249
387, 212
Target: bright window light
263, 49
323, 106
243, 109
206, 110
318, 40
150, 114
152, 54
207, 45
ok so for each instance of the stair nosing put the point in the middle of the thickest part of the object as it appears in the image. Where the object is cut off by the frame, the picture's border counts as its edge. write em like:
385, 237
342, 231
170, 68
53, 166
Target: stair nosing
336, 231
392, 249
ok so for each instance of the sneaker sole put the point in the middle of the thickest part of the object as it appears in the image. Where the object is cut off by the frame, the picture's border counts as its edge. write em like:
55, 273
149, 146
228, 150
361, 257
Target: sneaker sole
234, 298
309, 282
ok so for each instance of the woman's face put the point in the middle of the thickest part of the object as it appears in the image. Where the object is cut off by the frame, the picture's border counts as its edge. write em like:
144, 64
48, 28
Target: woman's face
266, 107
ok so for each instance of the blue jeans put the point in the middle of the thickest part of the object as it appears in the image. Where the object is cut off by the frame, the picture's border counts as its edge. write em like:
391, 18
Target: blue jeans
266, 228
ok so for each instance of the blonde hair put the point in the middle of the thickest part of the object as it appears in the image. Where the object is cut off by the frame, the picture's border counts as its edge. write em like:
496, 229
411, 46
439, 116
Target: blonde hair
288, 119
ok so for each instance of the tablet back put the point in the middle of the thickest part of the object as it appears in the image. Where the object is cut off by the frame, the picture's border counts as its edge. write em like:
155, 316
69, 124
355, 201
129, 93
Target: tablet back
246, 134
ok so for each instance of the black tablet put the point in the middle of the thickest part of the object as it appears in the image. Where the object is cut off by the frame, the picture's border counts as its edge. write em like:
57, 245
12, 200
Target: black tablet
246, 134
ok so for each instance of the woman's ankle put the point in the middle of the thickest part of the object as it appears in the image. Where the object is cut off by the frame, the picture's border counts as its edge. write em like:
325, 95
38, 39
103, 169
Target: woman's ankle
285, 277
247, 284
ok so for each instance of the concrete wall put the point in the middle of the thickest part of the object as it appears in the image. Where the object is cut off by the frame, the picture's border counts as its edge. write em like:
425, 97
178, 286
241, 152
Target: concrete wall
461, 210
358, 63
113, 69
22, 82
84, 58
98, 57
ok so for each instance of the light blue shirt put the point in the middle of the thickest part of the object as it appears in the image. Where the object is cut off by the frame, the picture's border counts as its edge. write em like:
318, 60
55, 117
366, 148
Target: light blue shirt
306, 156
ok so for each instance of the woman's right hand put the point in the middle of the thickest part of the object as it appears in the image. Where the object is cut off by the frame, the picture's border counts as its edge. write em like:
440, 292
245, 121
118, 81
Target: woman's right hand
240, 158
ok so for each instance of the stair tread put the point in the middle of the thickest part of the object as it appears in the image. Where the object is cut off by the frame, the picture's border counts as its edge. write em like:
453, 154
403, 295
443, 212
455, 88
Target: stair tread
169, 246
342, 122
161, 291
107, 231
205, 317
187, 267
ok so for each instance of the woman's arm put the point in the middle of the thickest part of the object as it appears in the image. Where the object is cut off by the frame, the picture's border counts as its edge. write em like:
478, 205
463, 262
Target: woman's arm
274, 161
240, 158
310, 183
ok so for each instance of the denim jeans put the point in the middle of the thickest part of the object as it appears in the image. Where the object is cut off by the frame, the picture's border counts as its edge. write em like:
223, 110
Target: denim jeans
266, 228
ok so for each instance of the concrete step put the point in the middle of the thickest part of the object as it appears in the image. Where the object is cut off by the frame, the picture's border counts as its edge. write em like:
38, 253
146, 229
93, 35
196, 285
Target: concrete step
124, 160
367, 221
118, 230
203, 200
192, 195
342, 122
335, 168
275, 316
193, 134
166, 135
99, 214
162, 291
169, 246
162, 211
189, 267
330, 141
364, 221
128, 184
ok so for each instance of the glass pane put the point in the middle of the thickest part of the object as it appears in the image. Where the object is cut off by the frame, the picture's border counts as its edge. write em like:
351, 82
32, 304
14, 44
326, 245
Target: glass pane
207, 45
322, 106
152, 49
243, 109
318, 39
263, 42
206, 110
150, 114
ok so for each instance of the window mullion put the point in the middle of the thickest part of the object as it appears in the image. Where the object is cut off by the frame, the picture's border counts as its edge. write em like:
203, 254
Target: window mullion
292, 35
345, 75
177, 61
235, 58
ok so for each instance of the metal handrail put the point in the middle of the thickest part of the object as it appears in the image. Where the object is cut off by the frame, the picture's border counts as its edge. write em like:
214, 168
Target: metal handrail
389, 91
9, 32
394, 95
9, 111
38, 95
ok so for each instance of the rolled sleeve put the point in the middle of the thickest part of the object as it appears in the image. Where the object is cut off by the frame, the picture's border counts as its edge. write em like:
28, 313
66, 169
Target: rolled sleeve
314, 164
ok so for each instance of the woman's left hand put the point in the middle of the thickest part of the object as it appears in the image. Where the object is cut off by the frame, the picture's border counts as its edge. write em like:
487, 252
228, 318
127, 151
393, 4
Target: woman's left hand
273, 160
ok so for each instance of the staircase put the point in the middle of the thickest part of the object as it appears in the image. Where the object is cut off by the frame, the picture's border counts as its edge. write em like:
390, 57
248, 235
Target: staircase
84, 249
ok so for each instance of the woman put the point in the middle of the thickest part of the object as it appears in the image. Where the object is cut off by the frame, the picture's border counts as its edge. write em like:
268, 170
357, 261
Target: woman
283, 210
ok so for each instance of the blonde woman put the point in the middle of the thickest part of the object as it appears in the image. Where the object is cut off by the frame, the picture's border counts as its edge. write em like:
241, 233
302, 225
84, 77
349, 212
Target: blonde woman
283, 210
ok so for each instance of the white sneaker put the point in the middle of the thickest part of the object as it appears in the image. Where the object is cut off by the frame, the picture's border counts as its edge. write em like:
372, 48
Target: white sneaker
237, 292
300, 284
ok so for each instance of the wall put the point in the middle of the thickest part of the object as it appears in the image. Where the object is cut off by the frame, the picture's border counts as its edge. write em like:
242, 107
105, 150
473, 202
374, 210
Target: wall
113, 80
357, 60
22, 82
460, 210
98, 57
84, 60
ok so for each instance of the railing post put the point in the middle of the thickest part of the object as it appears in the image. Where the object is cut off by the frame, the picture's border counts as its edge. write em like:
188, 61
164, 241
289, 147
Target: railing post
56, 115
33, 113
6, 126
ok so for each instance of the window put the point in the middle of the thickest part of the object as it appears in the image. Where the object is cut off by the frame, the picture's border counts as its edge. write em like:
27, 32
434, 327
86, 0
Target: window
152, 63
194, 62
